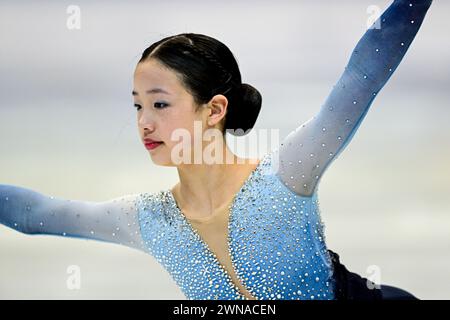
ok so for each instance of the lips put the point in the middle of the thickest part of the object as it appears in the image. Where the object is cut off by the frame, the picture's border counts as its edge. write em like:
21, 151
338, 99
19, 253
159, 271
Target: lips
148, 140
152, 144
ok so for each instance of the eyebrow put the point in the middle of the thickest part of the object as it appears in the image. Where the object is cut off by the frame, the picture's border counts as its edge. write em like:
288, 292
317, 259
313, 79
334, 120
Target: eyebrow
154, 90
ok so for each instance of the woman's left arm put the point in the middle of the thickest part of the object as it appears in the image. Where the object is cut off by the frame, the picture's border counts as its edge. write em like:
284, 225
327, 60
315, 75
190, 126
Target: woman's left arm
307, 151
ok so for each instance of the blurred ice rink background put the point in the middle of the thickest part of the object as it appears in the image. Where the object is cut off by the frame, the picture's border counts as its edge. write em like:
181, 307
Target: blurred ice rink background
68, 129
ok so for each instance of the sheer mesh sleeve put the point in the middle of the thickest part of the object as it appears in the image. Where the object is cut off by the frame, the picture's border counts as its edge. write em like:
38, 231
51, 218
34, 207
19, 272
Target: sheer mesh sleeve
30, 212
307, 151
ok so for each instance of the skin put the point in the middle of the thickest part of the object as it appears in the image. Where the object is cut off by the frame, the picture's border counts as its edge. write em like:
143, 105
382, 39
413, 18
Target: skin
199, 183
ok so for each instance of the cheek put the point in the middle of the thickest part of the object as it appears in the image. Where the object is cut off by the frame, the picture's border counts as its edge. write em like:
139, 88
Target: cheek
184, 123
176, 128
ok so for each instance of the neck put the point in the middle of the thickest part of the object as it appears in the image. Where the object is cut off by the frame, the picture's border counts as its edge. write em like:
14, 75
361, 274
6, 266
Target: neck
206, 188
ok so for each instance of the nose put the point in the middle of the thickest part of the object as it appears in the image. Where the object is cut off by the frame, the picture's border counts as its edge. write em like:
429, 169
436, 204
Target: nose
146, 121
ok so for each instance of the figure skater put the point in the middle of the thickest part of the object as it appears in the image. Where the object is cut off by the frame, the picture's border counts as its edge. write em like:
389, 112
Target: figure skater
245, 229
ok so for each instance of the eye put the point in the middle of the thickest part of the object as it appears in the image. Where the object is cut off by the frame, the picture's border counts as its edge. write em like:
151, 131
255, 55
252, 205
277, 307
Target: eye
160, 103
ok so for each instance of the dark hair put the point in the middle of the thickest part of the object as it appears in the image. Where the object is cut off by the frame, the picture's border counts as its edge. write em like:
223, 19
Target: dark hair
207, 67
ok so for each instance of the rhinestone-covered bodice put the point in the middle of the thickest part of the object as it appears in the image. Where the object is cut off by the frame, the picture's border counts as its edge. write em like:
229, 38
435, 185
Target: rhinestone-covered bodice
276, 242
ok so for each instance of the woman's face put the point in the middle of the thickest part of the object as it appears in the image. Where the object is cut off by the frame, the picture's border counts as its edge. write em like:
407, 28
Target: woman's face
163, 106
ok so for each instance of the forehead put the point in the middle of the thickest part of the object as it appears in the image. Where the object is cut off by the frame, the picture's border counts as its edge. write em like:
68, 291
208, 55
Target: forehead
152, 72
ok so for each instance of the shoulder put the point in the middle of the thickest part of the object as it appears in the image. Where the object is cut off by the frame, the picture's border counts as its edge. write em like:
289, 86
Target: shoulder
146, 201
275, 169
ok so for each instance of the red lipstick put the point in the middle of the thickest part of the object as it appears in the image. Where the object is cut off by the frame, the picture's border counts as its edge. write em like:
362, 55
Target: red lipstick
152, 144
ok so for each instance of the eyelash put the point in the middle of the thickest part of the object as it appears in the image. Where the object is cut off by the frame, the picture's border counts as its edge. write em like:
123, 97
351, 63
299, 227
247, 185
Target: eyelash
138, 106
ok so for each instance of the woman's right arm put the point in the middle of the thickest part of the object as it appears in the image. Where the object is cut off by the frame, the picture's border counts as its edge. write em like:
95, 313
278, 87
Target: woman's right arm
30, 212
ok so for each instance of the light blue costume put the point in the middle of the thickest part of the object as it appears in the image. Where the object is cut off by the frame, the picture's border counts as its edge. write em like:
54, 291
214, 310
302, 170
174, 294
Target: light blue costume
276, 236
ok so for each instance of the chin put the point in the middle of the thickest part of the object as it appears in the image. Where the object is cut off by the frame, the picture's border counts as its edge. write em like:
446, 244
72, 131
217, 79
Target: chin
160, 161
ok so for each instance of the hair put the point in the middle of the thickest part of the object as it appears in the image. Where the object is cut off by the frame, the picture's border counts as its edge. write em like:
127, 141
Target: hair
206, 67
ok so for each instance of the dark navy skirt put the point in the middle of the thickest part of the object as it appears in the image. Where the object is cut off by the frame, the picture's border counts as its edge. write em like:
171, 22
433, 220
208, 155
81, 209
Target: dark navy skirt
351, 286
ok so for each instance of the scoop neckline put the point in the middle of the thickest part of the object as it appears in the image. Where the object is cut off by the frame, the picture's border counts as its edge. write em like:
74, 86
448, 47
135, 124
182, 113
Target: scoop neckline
229, 205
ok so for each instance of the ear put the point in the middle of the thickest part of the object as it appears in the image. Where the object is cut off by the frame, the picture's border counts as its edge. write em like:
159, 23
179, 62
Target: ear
217, 109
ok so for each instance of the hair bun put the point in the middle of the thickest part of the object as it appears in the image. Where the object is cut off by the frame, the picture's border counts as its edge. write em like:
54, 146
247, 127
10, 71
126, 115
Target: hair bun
242, 117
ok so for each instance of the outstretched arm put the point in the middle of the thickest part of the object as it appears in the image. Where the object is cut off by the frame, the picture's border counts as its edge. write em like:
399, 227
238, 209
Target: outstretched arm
307, 151
31, 212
